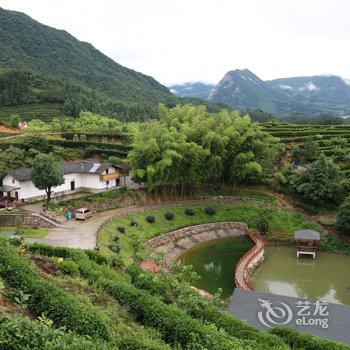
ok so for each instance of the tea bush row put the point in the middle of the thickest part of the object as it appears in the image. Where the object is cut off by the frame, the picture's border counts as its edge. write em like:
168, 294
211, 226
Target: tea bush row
20, 333
298, 340
47, 299
200, 308
175, 326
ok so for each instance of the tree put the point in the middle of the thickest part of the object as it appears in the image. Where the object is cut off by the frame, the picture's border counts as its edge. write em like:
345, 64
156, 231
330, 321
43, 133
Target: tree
342, 224
190, 148
46, 174
320, 184
310, 150
12, 158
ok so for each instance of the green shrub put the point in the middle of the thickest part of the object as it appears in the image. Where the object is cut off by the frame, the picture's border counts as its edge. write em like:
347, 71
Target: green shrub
20, 333
69, 267
210, 211
116, 261
150, 219
190, 212
199, 308
97, 257
342, 224
298, 340
169, 216
174, 324
46, 299
134, 223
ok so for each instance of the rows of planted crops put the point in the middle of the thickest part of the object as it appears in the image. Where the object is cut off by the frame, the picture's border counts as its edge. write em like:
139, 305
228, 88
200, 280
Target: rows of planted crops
332, 140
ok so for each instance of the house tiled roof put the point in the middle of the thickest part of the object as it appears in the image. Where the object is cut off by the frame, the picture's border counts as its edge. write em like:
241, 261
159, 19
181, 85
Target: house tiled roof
82, 166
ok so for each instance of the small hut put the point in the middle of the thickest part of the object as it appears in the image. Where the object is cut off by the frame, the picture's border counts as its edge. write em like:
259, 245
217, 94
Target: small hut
310, 241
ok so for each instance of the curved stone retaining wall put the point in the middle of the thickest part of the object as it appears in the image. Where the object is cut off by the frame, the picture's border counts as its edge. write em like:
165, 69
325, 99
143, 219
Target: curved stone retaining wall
249, 261
174, 243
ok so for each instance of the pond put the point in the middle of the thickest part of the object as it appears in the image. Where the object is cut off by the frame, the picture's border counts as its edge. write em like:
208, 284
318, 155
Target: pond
325, 278
215, 263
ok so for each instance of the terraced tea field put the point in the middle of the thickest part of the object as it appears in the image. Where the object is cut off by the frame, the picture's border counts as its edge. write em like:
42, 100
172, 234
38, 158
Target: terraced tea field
45, 112
332, 140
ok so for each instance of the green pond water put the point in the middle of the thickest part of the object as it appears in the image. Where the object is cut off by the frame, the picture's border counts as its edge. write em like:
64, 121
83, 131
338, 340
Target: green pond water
215, 263
325, 278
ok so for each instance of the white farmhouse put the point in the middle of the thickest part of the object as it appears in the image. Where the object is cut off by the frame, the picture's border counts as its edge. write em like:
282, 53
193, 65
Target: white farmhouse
80, 176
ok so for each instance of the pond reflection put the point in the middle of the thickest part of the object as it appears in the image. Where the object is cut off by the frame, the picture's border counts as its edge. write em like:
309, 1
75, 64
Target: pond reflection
215, 263
325, 278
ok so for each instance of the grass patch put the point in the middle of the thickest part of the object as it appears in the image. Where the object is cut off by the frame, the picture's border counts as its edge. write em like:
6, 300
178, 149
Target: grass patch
280, 221
26, 232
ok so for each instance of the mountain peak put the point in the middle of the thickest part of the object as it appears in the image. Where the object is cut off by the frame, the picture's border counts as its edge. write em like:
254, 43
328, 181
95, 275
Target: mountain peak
242, 89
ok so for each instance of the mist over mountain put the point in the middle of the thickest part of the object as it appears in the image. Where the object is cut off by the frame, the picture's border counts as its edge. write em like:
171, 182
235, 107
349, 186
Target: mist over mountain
242, 89
196, 89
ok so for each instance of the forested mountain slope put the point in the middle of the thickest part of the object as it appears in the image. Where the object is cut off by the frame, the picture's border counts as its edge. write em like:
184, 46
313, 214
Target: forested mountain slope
28, 44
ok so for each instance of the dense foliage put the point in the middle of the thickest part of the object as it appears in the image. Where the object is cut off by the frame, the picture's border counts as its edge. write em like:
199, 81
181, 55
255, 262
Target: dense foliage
189, 147
320, 184
26, 88
343, 217
21, 333
305, 341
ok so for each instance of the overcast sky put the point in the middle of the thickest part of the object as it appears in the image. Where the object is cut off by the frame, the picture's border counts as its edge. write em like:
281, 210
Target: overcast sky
189, 40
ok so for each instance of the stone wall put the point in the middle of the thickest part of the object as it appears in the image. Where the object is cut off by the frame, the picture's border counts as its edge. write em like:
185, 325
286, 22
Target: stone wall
175, 243
176, 235
27, 220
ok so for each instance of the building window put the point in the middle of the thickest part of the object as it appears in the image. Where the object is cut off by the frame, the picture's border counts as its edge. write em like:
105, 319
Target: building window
13, 181
107, 171
107, 183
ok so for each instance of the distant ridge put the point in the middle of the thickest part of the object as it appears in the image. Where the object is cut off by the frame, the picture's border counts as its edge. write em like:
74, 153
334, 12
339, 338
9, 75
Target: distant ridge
241, 89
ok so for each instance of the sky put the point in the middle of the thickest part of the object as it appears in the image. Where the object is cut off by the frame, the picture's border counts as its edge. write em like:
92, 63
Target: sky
200, 40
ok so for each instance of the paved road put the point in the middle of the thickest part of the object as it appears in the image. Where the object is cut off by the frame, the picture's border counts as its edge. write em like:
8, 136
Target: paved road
77, 233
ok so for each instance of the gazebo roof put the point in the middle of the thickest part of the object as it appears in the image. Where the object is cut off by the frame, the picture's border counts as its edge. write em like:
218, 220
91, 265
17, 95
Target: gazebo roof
307, 235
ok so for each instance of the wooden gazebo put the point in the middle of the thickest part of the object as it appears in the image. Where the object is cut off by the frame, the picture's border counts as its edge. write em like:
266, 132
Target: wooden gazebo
311, 239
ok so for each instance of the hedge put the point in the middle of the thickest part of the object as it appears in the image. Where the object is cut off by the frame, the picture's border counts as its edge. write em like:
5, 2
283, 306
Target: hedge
21, 333
174, 324
202, 309
47, 299
298, 340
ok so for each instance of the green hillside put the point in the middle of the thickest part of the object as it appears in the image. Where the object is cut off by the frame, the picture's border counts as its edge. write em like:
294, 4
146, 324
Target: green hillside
28, 44
40, 64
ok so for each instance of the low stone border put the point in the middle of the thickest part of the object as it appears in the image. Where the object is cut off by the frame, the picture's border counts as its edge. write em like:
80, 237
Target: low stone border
175, 243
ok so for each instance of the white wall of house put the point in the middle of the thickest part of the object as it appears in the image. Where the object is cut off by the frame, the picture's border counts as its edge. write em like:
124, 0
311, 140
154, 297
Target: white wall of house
83, 181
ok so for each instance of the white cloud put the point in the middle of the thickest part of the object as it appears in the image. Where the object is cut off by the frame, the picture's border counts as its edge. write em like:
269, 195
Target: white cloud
285, 87
181, 40
310, 86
